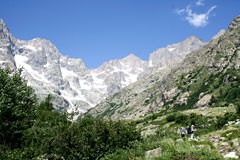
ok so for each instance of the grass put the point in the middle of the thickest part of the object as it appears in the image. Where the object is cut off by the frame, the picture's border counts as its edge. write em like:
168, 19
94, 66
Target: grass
170, 150
216, 111
231, 134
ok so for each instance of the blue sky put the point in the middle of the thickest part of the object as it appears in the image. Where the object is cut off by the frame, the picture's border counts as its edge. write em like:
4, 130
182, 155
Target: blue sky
100, 30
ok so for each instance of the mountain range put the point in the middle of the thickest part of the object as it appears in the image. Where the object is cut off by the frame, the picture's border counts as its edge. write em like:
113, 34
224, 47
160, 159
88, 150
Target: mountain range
73, 86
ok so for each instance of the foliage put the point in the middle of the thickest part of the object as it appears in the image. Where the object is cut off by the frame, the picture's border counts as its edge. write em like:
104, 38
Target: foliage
231, 134
17, 108
32, 131
87, 138
170, 150
204, 124
186, 150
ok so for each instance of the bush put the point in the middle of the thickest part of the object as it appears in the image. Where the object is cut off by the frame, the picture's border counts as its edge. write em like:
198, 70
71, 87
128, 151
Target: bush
171, 117
221, 121
87, 138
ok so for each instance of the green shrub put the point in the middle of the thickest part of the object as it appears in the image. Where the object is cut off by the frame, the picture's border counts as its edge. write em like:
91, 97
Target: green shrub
171, 117
87, 138
231, 134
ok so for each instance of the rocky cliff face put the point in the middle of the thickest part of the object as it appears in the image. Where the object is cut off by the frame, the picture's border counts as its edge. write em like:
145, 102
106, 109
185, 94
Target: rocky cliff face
73, 86
208, 76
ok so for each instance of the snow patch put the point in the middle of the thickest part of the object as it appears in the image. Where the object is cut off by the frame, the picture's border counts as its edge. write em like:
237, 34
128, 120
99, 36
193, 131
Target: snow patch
171, 49
30, 47
1, 62
47, 65
98, 83
67, 73
21, 63
150, 63
3, 49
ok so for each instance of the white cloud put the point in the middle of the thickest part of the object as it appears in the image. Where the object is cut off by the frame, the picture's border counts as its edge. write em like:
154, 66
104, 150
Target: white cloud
195, 19
200, 3
180, 11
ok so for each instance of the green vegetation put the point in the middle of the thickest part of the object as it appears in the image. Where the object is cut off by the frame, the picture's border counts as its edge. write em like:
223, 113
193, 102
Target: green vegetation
36, 131
111, 110
224, 87
169, 150
17, 109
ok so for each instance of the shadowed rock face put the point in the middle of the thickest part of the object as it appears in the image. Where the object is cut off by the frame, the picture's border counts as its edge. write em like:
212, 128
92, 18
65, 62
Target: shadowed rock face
74, 86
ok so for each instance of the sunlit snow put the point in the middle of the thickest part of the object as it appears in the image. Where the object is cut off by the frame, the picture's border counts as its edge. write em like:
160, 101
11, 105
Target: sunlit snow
21, 63
171, 49
30, 47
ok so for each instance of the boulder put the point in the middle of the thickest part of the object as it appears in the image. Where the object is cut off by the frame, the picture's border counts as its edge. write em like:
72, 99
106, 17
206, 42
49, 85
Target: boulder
153, 153
204, 101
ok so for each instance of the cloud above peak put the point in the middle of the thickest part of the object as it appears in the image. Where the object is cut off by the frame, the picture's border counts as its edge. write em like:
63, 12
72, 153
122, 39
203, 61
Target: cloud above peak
193, 18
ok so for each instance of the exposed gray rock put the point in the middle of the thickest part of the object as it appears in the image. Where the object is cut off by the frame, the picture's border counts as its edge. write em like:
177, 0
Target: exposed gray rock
153, 153
204, 101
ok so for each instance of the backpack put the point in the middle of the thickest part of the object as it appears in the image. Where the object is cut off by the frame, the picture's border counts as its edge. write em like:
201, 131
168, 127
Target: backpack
182, 131
189, 130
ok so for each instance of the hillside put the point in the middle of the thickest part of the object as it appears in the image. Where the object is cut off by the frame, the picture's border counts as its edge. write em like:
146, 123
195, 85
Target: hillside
203, 90
208, 76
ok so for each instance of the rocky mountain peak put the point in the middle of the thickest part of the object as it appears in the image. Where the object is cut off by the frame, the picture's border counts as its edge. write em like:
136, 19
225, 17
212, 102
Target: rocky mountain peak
173, 54
132, 59
234, 24
193, 38
3, 26
192, 41
131, 56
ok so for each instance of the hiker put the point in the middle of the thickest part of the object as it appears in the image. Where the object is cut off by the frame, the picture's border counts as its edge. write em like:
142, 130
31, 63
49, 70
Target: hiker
182, 132
191, 131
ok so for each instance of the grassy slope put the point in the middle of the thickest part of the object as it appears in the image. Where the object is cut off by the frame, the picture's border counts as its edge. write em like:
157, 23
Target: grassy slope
161, 131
